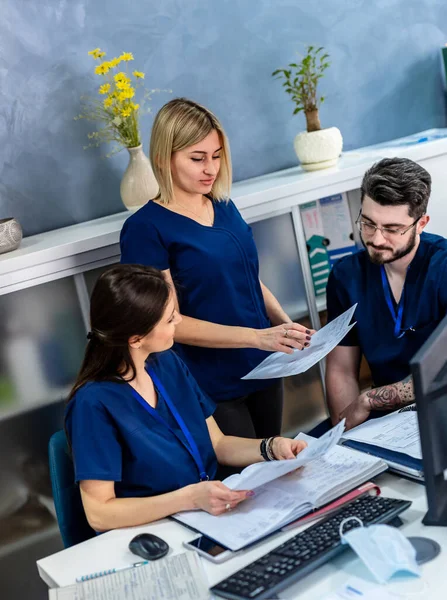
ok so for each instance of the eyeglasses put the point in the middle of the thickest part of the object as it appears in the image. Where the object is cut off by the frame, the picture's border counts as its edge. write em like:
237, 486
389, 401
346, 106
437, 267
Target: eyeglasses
370, 229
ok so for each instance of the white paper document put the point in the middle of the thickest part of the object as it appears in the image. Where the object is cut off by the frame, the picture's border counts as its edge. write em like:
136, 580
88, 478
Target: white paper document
178, 577
258, 474
398, 431
323, 341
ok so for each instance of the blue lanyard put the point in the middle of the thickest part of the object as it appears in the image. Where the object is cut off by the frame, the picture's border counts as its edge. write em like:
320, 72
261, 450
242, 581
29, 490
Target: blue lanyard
190, 444
398, 333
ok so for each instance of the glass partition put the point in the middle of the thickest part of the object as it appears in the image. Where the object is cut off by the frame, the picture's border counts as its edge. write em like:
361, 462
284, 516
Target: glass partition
280, 271
42, 344
280, 268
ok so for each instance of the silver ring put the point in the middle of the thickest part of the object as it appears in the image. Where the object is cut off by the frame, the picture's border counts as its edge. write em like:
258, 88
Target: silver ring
286, 333
228, 506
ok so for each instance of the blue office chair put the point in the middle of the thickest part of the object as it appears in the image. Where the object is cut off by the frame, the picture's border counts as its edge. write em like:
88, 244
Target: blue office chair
73, 524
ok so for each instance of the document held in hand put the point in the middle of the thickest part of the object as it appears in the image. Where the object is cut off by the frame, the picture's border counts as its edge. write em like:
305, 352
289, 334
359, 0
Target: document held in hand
323, 341
286, 490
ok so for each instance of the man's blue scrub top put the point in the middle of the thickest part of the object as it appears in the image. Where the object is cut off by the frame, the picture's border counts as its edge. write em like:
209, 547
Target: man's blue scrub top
356, 279
216, 273
115, 439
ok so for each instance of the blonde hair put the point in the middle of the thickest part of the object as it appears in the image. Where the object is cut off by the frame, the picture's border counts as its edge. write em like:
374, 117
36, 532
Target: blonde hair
181, 123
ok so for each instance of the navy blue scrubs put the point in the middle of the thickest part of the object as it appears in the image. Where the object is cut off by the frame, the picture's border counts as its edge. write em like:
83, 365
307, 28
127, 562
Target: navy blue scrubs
114, 438
356, 279
216, 273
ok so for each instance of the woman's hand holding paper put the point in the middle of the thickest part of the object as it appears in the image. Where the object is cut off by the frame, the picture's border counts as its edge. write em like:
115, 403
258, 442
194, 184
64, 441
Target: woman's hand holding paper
284, 338
215, 498
285, 448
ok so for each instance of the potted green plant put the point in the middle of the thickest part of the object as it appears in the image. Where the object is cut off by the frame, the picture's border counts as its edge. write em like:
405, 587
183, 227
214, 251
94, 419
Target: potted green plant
316, 148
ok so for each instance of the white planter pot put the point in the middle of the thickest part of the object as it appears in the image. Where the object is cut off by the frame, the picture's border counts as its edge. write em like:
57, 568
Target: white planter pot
318, 149
138, 184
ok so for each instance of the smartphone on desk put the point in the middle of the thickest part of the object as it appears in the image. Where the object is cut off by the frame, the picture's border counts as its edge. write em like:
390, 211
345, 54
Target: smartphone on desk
209, 549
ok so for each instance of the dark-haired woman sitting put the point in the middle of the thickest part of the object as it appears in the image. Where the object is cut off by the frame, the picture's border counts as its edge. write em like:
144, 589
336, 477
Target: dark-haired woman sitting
144, 442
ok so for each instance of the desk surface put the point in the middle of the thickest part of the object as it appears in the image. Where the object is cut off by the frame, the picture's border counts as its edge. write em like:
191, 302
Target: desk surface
110, 550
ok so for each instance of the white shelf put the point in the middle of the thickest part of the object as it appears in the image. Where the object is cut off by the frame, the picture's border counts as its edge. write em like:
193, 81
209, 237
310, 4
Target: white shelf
74, 249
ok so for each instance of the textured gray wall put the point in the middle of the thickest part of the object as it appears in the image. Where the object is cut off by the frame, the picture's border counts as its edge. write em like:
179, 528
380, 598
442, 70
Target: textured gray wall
384, 82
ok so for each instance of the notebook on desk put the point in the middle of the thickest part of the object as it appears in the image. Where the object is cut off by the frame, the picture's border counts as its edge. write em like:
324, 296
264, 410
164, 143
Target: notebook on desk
394, 438
284, 491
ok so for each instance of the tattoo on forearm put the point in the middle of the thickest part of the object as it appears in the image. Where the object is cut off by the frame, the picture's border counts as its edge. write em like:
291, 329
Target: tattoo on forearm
389, 397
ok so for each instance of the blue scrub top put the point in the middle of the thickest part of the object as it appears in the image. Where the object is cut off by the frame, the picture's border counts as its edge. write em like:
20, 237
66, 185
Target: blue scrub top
356, 279
216, 273
114, 438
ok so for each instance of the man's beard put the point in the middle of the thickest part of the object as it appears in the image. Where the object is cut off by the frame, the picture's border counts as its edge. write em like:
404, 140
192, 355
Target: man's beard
377, 258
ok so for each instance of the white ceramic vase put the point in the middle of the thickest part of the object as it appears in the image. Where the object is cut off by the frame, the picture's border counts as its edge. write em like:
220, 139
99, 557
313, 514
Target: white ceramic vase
318, 149
138, 184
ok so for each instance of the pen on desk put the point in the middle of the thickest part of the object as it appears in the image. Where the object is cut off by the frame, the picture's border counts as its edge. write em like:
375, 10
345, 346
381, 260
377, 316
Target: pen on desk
110, 571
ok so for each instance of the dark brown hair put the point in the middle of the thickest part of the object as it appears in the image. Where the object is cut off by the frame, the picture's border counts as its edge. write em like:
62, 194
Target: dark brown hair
396, 182
127, 300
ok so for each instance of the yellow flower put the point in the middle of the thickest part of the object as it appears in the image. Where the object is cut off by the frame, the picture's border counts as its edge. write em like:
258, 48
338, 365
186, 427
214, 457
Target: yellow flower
103, 68
104, 89
114, 106
126, 94
121, 77
122, 85
97, 53
126, 56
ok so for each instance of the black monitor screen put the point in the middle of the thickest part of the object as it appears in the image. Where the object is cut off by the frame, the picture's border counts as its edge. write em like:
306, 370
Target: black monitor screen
429, 369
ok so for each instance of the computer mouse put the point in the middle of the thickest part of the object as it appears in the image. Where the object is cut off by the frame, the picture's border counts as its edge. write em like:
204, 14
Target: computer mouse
148, 546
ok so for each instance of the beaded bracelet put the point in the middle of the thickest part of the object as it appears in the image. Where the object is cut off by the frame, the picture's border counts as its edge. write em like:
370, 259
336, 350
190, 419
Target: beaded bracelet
262, 449
269, 448
266, 449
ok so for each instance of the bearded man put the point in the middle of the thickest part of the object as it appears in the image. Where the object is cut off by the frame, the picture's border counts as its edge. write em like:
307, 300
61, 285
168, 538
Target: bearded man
399, 281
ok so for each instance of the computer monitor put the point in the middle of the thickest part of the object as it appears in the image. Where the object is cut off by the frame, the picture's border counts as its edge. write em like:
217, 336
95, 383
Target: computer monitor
429, 370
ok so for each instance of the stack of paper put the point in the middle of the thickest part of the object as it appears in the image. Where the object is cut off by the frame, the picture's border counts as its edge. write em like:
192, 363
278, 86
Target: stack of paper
398, 431
323, 341
178, 577
394, 438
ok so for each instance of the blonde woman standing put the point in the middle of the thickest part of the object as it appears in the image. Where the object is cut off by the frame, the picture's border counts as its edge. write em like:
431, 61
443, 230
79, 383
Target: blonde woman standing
194, 233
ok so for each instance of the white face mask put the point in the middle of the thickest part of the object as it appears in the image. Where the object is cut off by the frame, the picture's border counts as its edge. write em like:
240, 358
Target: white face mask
383, 549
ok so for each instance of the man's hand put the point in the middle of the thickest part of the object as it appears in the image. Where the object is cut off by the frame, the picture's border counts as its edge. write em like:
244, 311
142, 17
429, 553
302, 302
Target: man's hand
387, 397
357, 412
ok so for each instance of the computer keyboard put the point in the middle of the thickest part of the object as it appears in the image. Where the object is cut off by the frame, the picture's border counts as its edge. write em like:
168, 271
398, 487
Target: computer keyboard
306, 551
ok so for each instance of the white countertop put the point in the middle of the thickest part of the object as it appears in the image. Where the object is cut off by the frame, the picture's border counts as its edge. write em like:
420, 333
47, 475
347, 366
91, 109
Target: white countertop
110, 550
